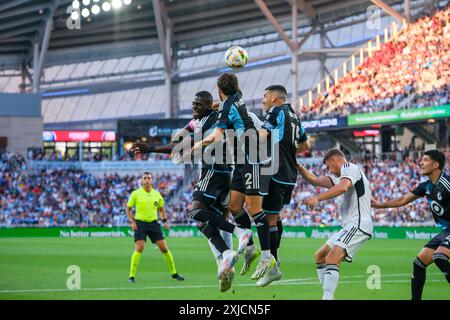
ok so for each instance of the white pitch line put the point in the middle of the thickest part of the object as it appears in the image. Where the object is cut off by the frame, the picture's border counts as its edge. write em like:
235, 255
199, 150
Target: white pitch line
361, 276
278, 283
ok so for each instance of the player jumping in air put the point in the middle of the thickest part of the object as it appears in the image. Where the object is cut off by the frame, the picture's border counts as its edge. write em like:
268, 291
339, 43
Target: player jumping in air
248, 184
437, 191
212, 189
288, 136
346, 180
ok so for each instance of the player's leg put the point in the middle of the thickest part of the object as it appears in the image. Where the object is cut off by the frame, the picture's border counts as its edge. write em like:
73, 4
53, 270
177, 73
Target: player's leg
257, 186
208, 181
274, 274
441, 256
240, 215
211, 233
420, 264
278, 195
236, 207
205, 215
331, 276
280, 232
319, 257
287, 190
273, 234
344, 245
227, 280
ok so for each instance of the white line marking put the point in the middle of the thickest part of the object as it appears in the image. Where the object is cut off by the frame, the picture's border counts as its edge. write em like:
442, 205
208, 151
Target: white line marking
300, 281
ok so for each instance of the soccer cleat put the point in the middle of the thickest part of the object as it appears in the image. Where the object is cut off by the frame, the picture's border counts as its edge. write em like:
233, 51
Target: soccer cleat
244, 239
178, 277
272, 275
131, 280
251, 253
227, 263
263, 267
227, 280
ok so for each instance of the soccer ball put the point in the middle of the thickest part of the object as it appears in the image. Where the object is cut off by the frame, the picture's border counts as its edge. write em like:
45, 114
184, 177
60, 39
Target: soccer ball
236, 57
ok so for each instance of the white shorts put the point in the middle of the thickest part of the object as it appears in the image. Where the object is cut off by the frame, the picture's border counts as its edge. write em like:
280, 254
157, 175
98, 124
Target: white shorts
349, 238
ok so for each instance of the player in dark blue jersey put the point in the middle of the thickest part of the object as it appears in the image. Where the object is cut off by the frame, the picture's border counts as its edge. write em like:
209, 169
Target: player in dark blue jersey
287, 137
210, 199
249, 183
437, 191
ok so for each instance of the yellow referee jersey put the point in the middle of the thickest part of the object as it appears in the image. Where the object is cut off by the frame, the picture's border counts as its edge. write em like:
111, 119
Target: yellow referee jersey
146, 203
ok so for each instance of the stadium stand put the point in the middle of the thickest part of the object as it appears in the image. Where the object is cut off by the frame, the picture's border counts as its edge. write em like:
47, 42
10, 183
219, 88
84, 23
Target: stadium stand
72, 197
416, 62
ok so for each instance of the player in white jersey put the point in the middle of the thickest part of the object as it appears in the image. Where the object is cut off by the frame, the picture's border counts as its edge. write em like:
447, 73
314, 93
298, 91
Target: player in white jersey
348, 182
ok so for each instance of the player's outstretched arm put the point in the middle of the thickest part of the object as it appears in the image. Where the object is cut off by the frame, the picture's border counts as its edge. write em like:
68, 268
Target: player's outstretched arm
216, 135
142, 147
322, 181
333, 192
395, 203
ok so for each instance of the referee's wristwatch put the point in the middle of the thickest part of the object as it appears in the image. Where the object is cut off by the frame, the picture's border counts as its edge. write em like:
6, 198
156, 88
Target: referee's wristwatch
164, 220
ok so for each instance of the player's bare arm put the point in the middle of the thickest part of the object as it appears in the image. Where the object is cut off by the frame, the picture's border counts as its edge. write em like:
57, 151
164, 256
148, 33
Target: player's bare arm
263, 134
322, 181
395, 203
215, 136
333, 192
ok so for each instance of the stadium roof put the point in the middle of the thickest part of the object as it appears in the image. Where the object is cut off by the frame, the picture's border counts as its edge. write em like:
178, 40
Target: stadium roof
133, 29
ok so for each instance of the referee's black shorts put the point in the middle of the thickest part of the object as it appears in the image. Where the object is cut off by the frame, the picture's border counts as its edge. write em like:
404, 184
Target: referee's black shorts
150, 229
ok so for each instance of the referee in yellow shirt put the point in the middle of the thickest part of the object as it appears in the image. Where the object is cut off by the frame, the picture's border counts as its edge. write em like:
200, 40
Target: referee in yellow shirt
148, 202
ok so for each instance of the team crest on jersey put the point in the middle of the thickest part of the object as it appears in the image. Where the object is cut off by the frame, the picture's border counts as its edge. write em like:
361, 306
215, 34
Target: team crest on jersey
156, 203
439, 196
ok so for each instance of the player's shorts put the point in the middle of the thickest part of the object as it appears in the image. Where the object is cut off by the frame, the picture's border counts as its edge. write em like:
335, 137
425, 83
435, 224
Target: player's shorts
279, 195
249, 180
213, 189
221, 204
150, 229
442, 239
349, 238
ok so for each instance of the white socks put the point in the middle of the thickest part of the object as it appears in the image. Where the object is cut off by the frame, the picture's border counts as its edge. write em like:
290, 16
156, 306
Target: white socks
320, 267
266, 255
330, 281
228, 238
216, 253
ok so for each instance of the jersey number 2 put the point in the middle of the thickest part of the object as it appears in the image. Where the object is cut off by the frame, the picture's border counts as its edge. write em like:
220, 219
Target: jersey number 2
248, 179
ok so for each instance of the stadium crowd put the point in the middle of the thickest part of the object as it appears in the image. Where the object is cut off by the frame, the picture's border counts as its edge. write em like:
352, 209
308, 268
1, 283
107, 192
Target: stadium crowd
416, 62
128, 156
73, 197
68, 197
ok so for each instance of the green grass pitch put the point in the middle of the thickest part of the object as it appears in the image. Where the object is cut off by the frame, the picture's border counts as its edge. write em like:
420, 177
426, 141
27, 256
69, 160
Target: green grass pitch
36, 268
